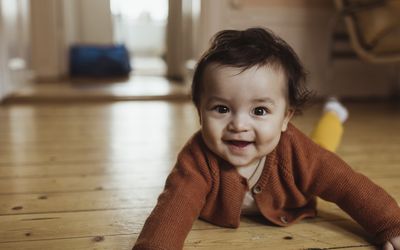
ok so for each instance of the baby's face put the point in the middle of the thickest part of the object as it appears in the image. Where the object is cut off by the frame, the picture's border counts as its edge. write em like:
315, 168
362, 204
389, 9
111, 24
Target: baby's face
243, 113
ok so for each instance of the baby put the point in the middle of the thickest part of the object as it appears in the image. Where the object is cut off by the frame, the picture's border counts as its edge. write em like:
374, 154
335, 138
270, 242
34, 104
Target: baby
248, 158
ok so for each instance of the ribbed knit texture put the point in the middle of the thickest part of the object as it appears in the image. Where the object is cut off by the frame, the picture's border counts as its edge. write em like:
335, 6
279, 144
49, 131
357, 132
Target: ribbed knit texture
298, 170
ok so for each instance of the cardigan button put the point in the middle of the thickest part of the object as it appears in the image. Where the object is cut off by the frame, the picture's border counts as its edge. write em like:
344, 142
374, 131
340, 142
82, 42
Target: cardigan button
257, 190
284, 219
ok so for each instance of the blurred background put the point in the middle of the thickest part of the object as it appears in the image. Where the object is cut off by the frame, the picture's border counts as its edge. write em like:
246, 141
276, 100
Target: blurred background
74, 147
164, 38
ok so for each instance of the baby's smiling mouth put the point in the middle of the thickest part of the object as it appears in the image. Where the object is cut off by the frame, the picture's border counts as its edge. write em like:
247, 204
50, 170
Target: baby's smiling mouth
238, 143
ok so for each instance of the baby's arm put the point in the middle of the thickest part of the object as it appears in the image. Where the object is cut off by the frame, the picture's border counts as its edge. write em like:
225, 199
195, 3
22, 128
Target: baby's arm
332, 179
328, 133
319, 172
179, 205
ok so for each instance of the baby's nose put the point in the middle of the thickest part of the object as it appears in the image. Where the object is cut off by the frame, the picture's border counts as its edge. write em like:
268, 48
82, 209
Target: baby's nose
239, 123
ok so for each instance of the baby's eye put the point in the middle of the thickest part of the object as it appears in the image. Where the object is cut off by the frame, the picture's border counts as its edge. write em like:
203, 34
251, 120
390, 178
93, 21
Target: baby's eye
260, 111
221, 109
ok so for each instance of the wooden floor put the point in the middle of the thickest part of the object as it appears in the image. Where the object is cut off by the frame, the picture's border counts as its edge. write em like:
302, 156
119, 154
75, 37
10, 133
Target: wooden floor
86, 176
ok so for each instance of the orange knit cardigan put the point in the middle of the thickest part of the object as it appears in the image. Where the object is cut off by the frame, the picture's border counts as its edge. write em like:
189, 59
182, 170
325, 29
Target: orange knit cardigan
202, 185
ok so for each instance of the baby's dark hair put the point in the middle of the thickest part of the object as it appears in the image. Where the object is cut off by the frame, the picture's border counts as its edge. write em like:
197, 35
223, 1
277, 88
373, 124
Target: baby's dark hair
247, 48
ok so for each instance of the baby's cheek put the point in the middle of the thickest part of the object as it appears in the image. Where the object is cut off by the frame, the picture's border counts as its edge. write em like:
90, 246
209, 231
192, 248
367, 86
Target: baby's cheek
214, 127
266, 132
210, 135
268, 136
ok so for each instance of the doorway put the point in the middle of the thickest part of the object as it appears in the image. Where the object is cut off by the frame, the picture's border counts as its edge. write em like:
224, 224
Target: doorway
141, 26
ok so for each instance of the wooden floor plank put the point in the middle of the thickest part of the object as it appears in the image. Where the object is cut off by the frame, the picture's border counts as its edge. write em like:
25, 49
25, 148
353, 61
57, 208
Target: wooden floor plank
50, 226
153, 166
324, 235
78, 201
98, 242
79, 184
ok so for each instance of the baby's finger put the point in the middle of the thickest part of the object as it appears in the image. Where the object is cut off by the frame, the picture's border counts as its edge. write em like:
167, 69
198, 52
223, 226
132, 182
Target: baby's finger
388, 246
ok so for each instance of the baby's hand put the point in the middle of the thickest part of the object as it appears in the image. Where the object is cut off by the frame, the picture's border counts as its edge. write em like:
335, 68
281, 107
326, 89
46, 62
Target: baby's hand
392, 244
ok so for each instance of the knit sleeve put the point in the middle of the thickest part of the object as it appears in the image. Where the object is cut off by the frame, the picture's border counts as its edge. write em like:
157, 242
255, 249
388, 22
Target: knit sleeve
180, 204
330, 178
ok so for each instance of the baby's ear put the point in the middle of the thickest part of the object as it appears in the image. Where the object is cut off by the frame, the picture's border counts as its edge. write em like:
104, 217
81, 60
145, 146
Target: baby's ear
288, 116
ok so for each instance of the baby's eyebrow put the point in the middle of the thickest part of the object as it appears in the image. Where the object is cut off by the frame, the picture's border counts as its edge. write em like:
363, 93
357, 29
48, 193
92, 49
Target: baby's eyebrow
268, 100
217, 99
264, 100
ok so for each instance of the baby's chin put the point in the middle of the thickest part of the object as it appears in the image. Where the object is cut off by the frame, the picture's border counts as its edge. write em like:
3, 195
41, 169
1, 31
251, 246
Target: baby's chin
238, 162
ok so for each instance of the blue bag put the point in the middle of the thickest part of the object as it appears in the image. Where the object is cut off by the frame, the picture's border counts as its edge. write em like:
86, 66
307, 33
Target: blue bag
99, 61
